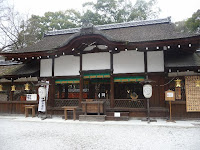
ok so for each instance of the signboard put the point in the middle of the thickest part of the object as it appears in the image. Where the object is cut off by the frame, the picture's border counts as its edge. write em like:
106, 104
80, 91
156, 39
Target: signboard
117, 114
31, 97
42, 105
169, 95
42, 95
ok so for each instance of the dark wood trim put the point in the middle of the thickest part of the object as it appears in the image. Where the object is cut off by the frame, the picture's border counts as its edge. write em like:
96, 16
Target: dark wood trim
51, 92
112, 100
111, 62
53, 66
96, 71
81, 81
18, 102
81, 63
145, 63
67, 77
81, 90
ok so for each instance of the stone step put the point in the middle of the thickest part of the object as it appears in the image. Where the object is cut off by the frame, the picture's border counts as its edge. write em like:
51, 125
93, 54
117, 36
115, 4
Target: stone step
100, 118
121, 118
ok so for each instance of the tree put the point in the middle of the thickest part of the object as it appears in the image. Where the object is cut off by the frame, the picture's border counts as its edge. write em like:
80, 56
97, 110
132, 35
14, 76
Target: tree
19, 32
116, 11
36, 26
10, 22
191, 24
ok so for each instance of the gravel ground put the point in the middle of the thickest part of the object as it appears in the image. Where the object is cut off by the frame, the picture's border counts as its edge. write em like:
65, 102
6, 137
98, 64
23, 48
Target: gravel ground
21, 133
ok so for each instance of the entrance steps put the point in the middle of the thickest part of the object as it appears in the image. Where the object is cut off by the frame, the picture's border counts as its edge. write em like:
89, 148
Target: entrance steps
120, 116
100, 118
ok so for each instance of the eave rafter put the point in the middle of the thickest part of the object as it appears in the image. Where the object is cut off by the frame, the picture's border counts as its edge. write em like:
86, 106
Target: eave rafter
76, 46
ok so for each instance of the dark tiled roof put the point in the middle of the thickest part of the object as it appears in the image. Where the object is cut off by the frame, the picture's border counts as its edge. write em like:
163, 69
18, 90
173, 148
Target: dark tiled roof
183, 60
139, 31
20, 69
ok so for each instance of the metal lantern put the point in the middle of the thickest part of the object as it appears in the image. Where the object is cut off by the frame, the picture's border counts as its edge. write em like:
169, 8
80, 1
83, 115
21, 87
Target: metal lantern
13, 88
178, 82
1, 88
198, 83
27, 87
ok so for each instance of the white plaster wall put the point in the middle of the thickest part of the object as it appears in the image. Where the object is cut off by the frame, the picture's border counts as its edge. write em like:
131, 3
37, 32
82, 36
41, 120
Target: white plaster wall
96, 61
67, 65
45, 67
128, 62
155, 61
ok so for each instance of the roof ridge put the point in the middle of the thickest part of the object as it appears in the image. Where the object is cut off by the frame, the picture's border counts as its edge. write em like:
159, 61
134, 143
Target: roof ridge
112, 26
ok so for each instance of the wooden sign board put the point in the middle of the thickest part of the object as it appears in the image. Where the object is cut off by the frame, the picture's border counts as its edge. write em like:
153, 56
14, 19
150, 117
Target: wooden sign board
169, 95
31, 97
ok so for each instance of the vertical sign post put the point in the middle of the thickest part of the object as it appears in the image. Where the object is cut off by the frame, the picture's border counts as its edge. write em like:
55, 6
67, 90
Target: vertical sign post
170, 96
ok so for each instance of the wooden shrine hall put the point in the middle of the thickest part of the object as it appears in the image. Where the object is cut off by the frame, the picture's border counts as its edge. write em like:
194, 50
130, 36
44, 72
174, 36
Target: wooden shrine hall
99, 69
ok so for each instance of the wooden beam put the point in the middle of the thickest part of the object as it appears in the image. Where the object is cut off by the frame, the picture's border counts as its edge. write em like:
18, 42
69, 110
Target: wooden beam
112, 100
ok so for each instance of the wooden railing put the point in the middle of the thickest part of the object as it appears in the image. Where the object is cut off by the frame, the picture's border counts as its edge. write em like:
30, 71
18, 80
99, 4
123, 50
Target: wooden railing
66, 102
119, 103
129, 103
15, 107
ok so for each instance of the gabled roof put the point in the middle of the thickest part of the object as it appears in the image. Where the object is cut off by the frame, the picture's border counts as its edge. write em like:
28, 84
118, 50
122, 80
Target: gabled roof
130, 32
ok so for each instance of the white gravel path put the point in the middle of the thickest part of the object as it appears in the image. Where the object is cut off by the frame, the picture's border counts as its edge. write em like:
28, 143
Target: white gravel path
21, 133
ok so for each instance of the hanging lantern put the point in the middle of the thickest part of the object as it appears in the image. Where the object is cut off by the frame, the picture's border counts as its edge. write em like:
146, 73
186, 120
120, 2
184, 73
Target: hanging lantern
198, 83
177, 83
13, 88
1, 88
27, 87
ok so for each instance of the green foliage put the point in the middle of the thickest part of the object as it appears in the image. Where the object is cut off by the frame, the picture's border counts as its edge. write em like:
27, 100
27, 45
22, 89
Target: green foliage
115, 11
37, 26
192, 24
101, 12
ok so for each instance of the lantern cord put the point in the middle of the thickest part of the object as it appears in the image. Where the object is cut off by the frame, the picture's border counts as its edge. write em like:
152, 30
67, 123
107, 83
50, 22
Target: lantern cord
167, 82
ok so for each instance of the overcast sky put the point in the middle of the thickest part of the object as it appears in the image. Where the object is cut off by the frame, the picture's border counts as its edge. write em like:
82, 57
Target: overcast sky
177, 9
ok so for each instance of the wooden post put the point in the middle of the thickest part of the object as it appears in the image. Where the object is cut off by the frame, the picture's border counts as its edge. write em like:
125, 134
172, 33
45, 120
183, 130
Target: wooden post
112, 101
51, 99
80, 83
148, 111
81, 90
170, 110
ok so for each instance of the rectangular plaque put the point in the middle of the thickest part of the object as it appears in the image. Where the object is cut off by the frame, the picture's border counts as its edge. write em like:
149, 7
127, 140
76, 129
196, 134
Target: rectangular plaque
169, 95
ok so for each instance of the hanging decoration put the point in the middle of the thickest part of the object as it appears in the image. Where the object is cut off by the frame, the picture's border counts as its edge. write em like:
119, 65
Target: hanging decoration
27, 87
1, 87
13, 88
178, 83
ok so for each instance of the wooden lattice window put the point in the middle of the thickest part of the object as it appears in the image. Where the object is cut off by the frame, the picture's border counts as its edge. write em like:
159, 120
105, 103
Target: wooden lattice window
192, 94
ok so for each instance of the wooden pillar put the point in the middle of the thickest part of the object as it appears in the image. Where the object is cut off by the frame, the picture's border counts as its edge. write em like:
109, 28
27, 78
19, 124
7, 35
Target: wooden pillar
51, 99
53, 62
81, 83
145, 64
112, 100
81, 90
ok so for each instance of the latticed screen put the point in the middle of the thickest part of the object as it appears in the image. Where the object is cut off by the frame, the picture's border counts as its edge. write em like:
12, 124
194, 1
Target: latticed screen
192, 93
